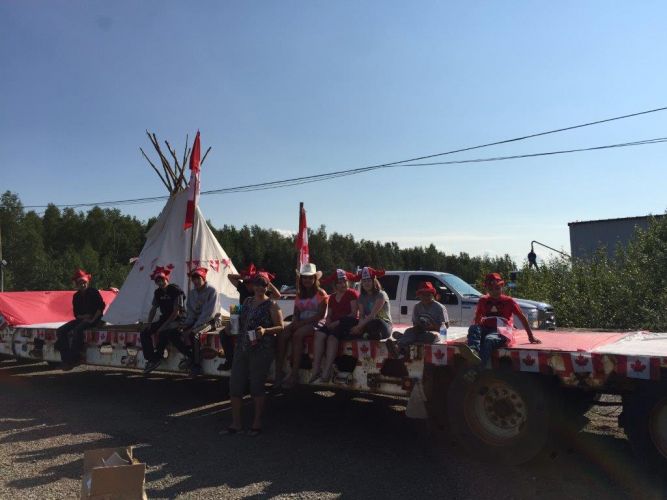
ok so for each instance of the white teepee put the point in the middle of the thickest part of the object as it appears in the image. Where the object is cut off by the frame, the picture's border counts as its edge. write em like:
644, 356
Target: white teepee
168, 245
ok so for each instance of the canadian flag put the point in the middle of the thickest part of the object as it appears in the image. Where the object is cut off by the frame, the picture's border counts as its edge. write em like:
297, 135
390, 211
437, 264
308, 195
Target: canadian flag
120, 338
302, 238
364, 347
193, 185
529, 361
638, 367
582, 362
102, 337
436, 354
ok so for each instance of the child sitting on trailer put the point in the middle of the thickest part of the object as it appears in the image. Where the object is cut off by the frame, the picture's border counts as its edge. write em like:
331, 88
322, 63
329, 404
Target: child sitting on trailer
428, 317
483, 335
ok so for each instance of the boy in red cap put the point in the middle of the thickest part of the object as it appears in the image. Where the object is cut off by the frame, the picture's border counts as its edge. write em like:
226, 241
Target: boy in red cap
428, 316
168, 298
88, 306
200, 309
493, 310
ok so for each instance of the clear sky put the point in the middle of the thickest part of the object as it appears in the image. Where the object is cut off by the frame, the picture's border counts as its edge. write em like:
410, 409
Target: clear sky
289, 88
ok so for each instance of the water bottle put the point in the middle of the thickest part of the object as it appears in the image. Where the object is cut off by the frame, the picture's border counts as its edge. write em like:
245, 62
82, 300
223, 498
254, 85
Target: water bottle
443, 334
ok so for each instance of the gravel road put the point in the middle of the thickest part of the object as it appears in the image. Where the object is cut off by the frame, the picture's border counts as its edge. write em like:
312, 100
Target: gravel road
314, 445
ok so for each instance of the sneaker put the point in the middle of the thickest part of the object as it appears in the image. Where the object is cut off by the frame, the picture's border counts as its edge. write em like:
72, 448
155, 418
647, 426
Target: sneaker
152, 365
185, 364
469, 354
317, 377
195, 370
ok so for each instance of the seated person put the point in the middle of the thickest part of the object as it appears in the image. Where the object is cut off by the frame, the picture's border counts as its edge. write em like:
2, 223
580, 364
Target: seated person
495, 307
374, 315
88, 306
341, 316
243, 282
168, 298
310, 306
428, 316
200, 309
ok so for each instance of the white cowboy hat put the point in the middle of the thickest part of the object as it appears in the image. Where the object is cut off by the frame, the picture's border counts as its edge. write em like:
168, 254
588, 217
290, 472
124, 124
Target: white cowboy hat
309, 270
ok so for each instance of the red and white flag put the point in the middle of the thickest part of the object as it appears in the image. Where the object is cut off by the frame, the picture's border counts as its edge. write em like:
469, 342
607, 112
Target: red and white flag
638, 367
435, 354
582, 362
364, 348
302, 238
529, 361
193, 185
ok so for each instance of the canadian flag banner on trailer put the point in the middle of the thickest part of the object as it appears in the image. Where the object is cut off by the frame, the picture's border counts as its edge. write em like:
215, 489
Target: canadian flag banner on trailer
102, 337
582, 362
641, 367
529, 361
364, 348
435, 354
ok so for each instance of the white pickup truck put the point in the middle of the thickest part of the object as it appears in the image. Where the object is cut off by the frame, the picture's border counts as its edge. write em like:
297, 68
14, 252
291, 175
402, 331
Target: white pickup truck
456, 295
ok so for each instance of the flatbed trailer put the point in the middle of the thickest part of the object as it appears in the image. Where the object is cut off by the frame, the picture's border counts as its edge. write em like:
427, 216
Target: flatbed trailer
506, 413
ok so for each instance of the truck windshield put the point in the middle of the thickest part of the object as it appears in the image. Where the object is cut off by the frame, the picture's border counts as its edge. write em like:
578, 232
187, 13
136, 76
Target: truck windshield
460, 286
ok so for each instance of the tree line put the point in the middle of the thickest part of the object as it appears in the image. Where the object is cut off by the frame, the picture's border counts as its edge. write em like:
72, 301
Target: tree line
43, 249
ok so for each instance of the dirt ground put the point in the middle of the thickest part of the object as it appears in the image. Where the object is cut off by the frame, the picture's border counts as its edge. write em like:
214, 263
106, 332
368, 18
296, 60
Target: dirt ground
314, 445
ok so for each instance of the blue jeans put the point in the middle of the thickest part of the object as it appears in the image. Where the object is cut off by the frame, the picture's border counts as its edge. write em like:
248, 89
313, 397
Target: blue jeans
484, 340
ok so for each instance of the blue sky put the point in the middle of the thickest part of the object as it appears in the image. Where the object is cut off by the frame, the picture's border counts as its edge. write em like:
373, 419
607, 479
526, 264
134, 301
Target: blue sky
291, 88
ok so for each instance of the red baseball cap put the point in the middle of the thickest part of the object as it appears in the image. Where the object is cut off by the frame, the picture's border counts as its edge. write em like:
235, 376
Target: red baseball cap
427, 287
494, 279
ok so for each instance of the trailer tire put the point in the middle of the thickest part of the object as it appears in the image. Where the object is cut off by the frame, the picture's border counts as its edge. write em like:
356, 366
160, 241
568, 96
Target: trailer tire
645, 421
500, 417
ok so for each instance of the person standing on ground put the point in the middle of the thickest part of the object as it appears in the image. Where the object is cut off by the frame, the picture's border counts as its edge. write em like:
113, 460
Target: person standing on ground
243, 282
88, 306
261, 320
168, 299
493, 310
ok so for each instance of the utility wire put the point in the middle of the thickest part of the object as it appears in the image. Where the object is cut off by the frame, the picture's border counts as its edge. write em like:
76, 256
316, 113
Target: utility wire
354, 171
332, 175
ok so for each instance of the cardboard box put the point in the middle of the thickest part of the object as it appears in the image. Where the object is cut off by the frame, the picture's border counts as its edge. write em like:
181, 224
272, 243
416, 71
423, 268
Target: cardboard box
112, 474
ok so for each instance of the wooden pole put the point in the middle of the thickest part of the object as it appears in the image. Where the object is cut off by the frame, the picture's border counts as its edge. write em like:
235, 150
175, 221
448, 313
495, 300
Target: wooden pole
192, 244
298, 235
2, 266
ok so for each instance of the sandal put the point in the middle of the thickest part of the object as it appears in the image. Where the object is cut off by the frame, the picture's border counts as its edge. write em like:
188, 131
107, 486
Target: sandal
230, 431
254, 432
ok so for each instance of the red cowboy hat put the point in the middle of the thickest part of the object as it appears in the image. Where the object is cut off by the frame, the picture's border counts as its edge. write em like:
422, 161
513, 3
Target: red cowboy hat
80, 274
338, 275
427, 287
160, 272
369, 272
199, 271
493, 279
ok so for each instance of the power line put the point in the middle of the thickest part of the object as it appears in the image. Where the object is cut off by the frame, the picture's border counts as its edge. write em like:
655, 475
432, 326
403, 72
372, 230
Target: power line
332, 175
342, 173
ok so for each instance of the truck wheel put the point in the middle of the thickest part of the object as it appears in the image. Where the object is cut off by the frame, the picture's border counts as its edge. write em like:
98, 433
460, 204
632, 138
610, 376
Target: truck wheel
645, 420
500, 416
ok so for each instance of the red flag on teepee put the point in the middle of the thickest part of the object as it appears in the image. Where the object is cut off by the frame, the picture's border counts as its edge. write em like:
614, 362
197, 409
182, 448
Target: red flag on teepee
193, 185
302, 238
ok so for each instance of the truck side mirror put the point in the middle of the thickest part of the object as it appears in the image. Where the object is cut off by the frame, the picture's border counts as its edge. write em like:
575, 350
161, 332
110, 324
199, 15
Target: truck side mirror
448, 298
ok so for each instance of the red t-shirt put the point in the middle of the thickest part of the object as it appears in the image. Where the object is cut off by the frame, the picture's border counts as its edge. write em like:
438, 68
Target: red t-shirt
490, 308
343, 308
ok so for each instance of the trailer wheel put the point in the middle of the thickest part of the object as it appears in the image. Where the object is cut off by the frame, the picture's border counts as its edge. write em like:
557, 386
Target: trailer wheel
501, 416
645, 420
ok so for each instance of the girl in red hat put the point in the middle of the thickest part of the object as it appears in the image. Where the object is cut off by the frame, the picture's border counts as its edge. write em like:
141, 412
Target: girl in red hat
374, 316
342, 316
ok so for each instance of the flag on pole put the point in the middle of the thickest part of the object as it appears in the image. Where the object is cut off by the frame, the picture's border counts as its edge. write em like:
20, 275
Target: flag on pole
302, 238
193, 185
